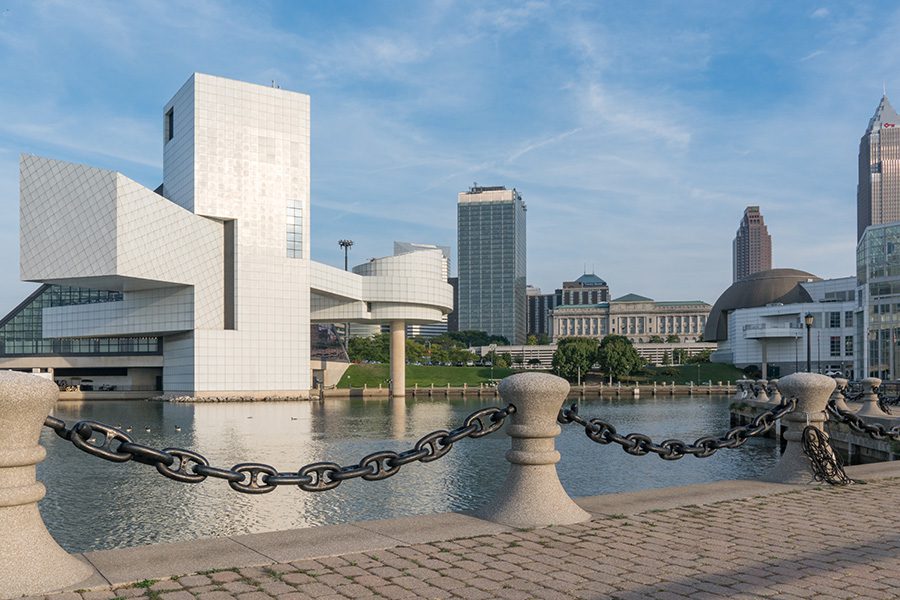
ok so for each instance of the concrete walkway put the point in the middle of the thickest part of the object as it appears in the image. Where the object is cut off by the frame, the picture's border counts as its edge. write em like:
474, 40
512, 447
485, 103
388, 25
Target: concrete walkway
737, 539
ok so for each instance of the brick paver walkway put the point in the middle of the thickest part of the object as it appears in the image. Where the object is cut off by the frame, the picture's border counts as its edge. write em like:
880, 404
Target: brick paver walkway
816, 543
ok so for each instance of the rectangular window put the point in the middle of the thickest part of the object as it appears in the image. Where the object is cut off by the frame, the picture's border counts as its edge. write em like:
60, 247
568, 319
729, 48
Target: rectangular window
848, 318
848, 346
835, 345
294, 229
834, 319
170, 124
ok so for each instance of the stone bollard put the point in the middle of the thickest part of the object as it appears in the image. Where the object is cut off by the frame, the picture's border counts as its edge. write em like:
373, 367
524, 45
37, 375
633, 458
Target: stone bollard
774, 392
739, 390
760, 388
31, 562
869, 399
812, 392
532, 495
838, 395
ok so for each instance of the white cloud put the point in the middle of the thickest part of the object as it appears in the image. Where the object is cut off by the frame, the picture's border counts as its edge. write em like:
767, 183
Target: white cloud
820, 13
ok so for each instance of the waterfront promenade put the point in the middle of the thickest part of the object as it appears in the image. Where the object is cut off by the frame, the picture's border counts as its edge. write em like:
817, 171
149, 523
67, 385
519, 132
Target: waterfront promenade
732, 539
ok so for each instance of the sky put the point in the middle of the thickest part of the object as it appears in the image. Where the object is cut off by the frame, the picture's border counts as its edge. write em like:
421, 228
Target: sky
637, 133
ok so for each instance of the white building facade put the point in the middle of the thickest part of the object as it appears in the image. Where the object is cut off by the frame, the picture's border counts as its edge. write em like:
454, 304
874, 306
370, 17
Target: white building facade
215, 262
774, 337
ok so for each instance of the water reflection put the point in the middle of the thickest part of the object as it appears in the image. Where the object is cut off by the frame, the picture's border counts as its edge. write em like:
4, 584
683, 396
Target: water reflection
92, 504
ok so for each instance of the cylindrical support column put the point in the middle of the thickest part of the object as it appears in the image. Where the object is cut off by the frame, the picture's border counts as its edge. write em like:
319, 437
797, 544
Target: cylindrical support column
838, 394
398, 359
869, 399
774, 392
812, 392
761, 388
31, 562
532, 495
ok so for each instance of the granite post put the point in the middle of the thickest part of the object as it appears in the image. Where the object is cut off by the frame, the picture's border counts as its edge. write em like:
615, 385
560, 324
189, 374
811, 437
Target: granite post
532, 495
812, 392
869, 399
31, 562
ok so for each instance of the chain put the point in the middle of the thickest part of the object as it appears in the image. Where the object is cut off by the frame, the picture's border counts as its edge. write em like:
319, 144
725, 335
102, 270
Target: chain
876, 431
825, 463
187, 466
639, 444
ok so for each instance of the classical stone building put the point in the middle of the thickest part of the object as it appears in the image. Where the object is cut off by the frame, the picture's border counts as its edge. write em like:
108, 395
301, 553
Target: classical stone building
636, 317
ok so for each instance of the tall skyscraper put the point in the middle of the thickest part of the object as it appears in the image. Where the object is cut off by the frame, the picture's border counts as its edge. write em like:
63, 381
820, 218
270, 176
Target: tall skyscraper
491, 236
752, 245
878, 191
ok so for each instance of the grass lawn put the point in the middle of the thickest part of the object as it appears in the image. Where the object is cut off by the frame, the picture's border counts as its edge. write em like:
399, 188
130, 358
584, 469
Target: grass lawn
686, 373
372, 375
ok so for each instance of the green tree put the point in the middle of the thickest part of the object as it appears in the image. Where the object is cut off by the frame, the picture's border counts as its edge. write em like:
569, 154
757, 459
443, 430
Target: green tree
414, 351
531, 340
519, 360
574, 356
672, 339
617, 356
376, 348
700, 357
477, 338
656, 339
666, 359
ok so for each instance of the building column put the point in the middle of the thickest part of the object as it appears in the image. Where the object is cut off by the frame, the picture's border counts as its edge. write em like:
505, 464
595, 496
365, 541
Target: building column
398, 359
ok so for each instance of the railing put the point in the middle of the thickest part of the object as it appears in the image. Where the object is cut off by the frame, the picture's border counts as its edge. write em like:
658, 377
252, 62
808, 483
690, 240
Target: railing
751, 326
532, 496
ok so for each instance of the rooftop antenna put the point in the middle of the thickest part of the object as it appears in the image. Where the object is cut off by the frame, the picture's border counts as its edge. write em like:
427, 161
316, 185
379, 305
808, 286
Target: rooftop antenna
883, 88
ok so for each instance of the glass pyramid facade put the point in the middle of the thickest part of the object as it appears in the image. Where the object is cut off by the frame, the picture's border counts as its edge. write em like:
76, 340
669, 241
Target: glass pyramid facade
21, 331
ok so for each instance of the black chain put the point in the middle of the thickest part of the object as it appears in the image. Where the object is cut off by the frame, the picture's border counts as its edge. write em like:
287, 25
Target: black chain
257, 478
639, 444
825, 462
876, 431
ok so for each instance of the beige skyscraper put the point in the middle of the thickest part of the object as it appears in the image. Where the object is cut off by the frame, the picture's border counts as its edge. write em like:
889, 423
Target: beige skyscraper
752, 245
878, 192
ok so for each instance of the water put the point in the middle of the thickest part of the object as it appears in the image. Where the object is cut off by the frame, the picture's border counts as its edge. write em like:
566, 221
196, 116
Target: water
93, 504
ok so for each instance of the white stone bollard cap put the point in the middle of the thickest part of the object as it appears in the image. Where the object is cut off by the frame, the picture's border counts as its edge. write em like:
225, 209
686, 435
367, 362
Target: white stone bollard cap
25, 401
810, 389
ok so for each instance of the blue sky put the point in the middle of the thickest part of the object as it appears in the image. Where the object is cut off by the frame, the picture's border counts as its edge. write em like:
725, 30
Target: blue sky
636, 136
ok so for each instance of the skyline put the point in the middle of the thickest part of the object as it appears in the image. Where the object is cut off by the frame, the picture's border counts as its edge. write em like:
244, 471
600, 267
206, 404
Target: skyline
660, 124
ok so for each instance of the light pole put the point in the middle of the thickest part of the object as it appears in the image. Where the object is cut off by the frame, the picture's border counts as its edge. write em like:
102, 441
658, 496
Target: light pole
346, 245
808, 320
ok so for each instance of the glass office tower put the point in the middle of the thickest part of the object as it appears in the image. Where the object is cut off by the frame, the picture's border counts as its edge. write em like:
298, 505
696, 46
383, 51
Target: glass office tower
878, 192
491, 240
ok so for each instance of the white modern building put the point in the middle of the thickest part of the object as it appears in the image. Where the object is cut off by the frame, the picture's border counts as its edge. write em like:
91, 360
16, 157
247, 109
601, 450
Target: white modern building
427, 330
760, 321
215, 263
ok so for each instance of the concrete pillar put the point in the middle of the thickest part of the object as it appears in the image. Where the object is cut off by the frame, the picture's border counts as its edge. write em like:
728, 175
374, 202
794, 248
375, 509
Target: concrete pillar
31, 562
838, 395
398, 359
812, 392
760, 388
532, 495
774, 392
869, 399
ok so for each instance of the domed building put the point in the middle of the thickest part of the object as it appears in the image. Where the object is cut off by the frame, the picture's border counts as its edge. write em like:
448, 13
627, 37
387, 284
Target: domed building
759, 321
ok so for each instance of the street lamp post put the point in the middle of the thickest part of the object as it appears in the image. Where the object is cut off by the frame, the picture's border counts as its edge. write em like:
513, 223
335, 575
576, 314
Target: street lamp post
346, 245
808, 320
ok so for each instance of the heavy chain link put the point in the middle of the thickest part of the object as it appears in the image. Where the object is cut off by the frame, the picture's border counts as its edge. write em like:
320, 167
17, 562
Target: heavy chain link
825, 462
186, 466
876, 431
639, 444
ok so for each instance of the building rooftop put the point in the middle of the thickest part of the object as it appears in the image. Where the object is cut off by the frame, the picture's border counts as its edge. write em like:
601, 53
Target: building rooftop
755, 290
590, 280
885, 116
633, 298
